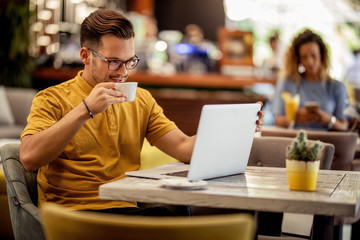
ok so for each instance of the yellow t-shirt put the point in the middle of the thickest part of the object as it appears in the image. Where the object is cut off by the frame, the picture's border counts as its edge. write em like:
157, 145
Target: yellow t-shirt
102, 151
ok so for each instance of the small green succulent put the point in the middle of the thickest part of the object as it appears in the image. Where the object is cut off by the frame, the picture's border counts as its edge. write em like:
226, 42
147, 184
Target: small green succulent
300, 150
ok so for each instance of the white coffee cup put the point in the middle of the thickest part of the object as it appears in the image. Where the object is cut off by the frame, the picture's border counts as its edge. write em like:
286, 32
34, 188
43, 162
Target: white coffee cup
129, 88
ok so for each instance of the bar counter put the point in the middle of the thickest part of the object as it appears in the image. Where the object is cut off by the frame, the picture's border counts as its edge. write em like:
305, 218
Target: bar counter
182, 95
209, 80
51, 76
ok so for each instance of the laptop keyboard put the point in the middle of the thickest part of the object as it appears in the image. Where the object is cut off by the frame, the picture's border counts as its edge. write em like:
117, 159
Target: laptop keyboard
178, 174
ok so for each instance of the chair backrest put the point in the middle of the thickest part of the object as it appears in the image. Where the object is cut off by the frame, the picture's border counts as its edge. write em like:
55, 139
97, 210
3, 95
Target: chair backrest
344, 143
20, 101
22, 195
271, 152
61, 223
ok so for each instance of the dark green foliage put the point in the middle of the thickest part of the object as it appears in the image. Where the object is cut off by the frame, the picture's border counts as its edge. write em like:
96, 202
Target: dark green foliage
16, 65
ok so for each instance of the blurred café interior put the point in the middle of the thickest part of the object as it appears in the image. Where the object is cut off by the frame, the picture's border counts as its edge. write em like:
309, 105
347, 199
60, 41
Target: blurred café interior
192, 52
189, 56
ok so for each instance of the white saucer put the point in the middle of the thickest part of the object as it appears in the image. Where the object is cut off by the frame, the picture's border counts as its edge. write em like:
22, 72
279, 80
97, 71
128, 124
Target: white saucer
182, 184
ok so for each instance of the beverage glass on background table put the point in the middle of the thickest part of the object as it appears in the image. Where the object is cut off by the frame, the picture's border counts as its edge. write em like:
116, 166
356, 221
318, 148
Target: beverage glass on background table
291, 107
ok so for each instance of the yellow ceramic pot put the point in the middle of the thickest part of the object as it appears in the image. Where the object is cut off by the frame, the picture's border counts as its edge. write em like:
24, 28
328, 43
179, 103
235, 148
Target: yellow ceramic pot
302, 175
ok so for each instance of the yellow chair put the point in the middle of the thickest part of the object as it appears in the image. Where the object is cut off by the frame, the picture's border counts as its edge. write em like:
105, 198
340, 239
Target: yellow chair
153, 157
61, 223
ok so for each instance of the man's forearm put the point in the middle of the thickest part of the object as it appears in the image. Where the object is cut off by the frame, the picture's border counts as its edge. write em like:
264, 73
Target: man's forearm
176, 144
41, 148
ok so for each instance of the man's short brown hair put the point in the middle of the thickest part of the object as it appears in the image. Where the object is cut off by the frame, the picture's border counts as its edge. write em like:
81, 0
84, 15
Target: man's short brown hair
102, 22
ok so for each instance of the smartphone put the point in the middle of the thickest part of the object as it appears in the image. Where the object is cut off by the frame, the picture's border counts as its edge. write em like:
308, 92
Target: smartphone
312, 105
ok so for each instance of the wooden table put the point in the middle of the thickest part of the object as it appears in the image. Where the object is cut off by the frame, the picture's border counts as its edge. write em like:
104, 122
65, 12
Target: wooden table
260, 189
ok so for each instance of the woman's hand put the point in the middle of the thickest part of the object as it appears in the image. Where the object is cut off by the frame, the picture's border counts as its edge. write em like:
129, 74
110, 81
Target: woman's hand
317, 115
306, 116
260, 121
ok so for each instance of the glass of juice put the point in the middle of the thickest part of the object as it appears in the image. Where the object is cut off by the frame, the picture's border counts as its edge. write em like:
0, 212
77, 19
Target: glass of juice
291, 107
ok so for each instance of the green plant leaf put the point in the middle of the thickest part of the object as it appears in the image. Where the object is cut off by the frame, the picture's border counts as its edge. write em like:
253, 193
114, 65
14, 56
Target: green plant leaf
300, 149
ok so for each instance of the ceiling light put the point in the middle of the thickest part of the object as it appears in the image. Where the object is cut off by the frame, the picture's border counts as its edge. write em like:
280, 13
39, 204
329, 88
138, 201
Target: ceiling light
44, 15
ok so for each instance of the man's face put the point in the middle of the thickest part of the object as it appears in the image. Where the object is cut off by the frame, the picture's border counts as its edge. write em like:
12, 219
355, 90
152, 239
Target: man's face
112, 48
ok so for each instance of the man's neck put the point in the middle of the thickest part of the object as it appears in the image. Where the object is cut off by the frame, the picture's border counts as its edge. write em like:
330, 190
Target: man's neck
86, 75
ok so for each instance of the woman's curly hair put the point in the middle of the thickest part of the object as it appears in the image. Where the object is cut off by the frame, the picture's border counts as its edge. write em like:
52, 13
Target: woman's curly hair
292, 58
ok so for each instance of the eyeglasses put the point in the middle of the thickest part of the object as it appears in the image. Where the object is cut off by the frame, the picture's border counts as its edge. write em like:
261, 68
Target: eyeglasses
116, 64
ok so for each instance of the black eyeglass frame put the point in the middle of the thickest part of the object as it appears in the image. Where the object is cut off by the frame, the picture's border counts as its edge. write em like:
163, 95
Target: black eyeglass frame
109, 61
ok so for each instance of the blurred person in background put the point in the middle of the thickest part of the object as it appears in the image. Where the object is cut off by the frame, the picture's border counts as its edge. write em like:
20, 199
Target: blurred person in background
274, 62
306, 73
353, 84
270, 67
193, 34
353, 72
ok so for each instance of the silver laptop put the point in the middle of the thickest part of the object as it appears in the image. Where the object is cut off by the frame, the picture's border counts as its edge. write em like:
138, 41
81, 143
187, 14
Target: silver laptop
222, 147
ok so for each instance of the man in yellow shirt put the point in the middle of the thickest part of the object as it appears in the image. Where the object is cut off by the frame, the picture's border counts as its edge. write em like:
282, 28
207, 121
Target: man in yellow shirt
82, 133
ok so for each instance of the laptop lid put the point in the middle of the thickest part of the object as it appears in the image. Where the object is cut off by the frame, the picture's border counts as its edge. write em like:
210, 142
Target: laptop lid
222, 147
224, 139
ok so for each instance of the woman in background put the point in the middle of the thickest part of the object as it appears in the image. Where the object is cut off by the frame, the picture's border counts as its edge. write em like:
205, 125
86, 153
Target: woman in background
306, 72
